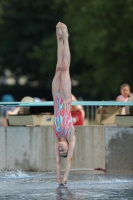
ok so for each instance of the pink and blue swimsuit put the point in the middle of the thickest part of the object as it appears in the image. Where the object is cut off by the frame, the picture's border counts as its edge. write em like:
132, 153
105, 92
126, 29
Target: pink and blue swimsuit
62, 116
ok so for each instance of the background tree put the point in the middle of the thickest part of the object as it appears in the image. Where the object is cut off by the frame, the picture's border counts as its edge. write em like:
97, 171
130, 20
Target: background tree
102, 43
100, 38
25, 26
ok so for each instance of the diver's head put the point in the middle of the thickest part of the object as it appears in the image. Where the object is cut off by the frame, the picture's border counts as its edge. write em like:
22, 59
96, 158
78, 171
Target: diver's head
63, 147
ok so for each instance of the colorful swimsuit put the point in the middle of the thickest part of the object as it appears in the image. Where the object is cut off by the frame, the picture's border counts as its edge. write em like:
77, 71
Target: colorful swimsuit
62, 116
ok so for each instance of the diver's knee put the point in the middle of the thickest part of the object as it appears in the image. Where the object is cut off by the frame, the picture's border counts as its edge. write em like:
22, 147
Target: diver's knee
58, 67
65, 66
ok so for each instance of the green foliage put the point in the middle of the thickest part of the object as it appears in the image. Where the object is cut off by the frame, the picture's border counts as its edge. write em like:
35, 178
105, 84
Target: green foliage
101, 42
26, 25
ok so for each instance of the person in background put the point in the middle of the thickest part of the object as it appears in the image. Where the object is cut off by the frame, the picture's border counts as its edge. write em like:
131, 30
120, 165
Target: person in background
36, 99
43, 99
15, 111
125, 90
6, 109
78, 113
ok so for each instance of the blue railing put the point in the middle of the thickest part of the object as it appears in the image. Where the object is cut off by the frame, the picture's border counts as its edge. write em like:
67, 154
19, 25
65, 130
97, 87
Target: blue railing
83, 103
90, 107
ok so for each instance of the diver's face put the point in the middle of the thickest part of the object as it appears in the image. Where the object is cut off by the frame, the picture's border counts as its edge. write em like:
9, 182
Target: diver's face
125, 91
63, 148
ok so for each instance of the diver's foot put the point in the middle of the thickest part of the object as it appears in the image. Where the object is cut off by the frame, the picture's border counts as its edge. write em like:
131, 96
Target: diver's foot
58, 31
64, 30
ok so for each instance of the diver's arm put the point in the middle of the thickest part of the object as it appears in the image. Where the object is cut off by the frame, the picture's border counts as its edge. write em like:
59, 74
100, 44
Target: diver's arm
57, 162
69, 158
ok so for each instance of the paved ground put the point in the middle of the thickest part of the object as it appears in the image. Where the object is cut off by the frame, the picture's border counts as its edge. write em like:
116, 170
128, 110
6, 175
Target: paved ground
82, 185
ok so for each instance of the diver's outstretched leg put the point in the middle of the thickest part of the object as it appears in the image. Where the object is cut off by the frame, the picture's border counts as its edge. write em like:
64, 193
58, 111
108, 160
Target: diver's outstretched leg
57, 78
65, 87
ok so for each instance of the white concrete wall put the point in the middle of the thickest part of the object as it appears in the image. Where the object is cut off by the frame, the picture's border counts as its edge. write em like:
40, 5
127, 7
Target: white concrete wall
32, 148
119, 149
89, 150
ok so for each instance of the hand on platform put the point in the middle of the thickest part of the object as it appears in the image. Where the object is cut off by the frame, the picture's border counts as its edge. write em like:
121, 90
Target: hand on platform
64, 181
59, 181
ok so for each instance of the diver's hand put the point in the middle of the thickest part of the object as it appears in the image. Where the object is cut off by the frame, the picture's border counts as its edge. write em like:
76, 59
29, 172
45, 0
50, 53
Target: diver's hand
64, 181
59, 180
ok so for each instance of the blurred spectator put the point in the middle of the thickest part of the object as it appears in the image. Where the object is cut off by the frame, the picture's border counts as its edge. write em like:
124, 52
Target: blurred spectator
125, 90
7, 98
5, 109
78, 113
24, 110
28, 99
36, 99
43, 99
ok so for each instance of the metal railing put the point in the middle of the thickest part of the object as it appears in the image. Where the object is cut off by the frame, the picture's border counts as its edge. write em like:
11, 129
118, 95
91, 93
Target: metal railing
83, 103
90, 107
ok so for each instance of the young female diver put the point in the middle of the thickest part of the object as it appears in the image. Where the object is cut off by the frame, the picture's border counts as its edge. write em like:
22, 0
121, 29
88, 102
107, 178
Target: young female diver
61, 90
